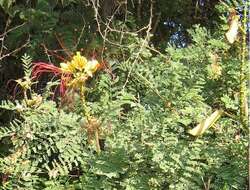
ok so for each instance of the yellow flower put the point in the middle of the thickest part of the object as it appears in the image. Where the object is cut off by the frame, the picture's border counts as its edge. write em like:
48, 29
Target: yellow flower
67, 67
78, 61
78, 81
91, 67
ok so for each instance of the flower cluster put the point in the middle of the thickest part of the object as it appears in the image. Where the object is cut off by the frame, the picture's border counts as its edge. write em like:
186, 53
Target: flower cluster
80, 69
80, 64
73, 73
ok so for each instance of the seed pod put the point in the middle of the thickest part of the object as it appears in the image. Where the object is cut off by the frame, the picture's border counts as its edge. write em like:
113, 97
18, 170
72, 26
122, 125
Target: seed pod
233, 22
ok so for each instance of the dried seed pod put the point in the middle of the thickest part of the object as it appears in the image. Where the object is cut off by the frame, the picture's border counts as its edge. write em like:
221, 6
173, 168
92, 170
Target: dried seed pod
93, 128
233, 22
215, 70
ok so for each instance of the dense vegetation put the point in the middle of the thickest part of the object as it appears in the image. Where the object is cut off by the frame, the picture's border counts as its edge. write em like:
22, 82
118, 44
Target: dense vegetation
155, 98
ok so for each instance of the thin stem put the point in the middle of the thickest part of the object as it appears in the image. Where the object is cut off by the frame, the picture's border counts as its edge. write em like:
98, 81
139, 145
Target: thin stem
89, 120
98, 148
243, 75
85, 107
25, 96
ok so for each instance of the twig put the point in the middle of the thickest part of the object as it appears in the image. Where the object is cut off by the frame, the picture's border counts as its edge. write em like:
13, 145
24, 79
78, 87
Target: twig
3, 36
139, 11
11, 29
156, 23
16, 50
106, 30
80, 36
95, 4
156, 51
144, 44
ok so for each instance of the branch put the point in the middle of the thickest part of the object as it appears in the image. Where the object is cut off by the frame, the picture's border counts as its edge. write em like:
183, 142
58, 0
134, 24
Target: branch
16, 50
144, 44
3, 36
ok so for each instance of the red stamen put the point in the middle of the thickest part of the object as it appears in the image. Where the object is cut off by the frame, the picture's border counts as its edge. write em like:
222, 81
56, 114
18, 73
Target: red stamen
41, 67
13, 89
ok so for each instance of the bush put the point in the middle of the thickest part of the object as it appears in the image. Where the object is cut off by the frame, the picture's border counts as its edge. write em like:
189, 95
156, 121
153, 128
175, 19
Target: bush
124, 125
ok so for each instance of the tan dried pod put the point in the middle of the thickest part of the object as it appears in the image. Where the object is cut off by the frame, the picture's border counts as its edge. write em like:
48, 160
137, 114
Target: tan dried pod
233, 22
93, 131
215, 68
206, 123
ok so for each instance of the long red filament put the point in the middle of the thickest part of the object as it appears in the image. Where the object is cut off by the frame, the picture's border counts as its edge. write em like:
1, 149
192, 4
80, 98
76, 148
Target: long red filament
40, 67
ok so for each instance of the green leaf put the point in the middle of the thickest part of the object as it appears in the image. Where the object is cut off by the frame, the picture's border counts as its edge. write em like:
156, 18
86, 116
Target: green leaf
6, 4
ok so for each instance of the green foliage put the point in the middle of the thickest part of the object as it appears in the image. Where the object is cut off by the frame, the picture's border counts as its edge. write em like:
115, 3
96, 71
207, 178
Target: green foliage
27, 64
143, 101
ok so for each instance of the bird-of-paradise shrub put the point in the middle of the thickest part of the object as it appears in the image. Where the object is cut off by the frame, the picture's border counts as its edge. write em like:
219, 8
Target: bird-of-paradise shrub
144, 125
73, 73
73, 76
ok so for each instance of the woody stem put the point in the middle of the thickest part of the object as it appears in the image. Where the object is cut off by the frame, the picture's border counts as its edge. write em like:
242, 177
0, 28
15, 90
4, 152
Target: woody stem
243, 75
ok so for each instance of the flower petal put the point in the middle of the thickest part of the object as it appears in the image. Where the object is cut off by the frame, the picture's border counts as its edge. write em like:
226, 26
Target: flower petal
91, 67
